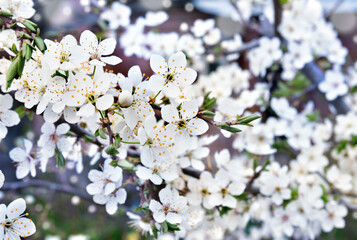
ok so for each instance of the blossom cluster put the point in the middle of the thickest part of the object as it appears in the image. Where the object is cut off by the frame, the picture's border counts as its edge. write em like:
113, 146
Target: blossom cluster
289, 176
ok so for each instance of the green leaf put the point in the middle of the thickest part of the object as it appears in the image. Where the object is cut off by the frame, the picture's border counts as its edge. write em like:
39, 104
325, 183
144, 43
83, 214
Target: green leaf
224, 211
313, 117
111, 150
12, 72
255, 163
229, 128
208, 114
26, 51
5, 13
61, 161
324, 196
21, 111
25, 35
283, 1
172, 227
353, 89
341, 146
209, 103
126, 165
117, 140
14, 48
164, 226
247, 119
29, 26
40, 44
20, 65
101, 133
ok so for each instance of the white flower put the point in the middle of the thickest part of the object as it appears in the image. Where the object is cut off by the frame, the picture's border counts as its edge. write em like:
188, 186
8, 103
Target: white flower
13, 224
18, 8
153, 19
53, 138
184, 123
134, 98
338, 179
89, 43
199, 190
224, 189
155, 141
106, 187
25, 159
8, 118
334, 85
282, 108
158, 170
2, 179
333, 216
118, 15
201, 27
275, 183
171, 76
172, 204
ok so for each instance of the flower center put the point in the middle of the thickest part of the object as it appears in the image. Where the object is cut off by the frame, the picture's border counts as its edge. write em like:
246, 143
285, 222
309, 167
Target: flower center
170, 77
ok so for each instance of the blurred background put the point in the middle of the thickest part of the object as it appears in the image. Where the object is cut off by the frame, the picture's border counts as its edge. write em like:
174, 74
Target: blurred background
58, 203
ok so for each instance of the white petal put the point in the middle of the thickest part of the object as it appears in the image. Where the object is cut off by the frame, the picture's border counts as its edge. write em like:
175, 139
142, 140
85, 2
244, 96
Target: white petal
107, 46
48, 128
16, 208
197, 126
131, 118
104, 102
189, 109
3, 131
109, 188
86, 110
158, 64
121, 196
18, 154
177, 61
111, 207
63, 128
112, 60
173, 218
170, 114
171, 90
89, 41
9, 118
24, 227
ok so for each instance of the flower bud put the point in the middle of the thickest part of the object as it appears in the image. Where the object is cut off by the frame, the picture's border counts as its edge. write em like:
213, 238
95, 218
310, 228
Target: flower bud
125, 99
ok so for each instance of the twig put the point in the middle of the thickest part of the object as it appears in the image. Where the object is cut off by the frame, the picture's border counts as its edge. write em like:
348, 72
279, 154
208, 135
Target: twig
349, 205
337, 4
277, 17
45, 184
314, 73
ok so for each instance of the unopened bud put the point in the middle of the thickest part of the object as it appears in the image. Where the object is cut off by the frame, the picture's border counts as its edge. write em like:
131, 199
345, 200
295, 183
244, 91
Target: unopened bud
125, 99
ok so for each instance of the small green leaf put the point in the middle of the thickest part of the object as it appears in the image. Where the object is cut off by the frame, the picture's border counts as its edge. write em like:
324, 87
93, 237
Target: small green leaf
14, 48
25, 35
224, 211
21, 111
61, 161
255, 164
5, 13
229, 128
172, 227
40, 44
101, 133
111, 150
29, 26
126, 165
117, 140
12, 72
247, 119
